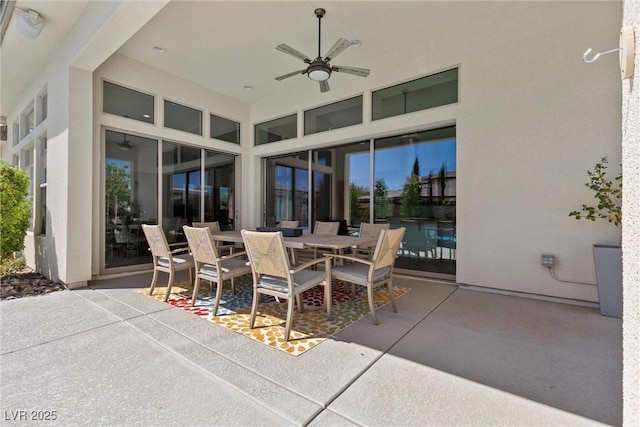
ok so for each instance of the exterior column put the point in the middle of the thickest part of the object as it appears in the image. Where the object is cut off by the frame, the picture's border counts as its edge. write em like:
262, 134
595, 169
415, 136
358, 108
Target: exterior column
79, 178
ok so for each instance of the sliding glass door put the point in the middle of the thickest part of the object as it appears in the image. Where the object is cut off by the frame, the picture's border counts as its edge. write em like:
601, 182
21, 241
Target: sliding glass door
406, 181
415, 179
287, 193
195, 184
219, 187
181, 189
131, 197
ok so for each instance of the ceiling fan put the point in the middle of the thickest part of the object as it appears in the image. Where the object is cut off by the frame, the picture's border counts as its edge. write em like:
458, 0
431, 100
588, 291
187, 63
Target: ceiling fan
125, 144
320, 69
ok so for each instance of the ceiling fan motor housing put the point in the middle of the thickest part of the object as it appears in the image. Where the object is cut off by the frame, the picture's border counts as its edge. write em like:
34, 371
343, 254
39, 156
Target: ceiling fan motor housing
318, 70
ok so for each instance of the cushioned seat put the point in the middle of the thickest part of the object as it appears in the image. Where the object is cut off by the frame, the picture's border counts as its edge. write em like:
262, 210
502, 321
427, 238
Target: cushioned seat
210, 265
274, 275
371, 273
165, 259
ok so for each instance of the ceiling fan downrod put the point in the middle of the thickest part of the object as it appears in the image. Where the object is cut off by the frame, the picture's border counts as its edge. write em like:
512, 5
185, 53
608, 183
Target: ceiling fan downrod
319, 13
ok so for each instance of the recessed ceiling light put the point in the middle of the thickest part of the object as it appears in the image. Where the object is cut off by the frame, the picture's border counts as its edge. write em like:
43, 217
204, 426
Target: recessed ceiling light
159, 49
356, 43
146, 116
248, 87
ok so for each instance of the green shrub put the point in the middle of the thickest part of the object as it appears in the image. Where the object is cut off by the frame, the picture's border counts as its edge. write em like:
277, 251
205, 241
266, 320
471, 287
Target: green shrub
608, 195
11, 266
15, 208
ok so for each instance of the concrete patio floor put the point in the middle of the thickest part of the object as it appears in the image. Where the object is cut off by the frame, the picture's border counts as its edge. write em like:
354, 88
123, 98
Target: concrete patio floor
106, 355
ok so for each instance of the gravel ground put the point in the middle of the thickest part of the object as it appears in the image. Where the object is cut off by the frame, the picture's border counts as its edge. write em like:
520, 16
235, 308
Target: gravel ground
27, 283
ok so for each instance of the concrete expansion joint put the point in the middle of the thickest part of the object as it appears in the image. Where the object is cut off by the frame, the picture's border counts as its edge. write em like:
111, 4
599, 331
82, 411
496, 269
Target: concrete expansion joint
59, 338
101, 307
213, 375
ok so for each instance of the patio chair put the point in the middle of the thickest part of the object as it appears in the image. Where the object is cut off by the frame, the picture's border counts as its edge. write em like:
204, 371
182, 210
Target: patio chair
371, 273
368, 230
214, 227
273, 274
164, 258
325, 228
210, 266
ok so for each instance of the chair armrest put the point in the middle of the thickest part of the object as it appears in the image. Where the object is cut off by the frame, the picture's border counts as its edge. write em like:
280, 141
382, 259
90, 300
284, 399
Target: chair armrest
234, 255
179, 250
350, 258
307, 265
178, 244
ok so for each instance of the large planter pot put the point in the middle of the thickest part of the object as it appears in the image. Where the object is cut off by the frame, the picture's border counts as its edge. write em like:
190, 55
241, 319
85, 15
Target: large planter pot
608, 260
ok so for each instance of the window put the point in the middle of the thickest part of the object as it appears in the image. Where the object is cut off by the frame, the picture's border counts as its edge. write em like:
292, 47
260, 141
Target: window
27, 122
15, 137
128, 103
42, 177
42, 107
333, 116
224, 129
182, 118
26, 164
276, 130
427, 92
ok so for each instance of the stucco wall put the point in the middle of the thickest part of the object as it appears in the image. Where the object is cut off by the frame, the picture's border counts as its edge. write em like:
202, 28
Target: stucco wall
631, 227
532, 119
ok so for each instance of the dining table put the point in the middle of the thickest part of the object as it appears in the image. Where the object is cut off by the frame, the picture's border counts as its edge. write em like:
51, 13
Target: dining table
336, 243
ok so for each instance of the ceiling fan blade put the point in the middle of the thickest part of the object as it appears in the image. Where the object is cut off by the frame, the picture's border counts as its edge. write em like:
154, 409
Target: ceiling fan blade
324, 86
291, 74
291, 51
337, 48
361, 72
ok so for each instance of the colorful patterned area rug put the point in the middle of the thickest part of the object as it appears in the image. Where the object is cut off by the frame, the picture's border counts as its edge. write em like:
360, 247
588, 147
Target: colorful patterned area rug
309, 328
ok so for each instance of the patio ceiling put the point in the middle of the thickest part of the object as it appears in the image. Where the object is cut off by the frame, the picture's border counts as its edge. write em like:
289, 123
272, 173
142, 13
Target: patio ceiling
226, 46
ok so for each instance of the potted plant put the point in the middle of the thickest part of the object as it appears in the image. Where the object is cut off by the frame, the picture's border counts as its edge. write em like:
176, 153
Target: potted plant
608, 258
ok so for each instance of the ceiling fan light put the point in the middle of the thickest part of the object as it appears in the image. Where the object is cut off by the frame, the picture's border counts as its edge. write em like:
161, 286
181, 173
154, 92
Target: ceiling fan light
318, 73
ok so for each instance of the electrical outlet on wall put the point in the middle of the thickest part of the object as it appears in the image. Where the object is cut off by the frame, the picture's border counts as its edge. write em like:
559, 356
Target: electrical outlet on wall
548, 260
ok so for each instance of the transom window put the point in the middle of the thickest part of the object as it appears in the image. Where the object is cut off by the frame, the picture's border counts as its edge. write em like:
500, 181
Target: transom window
333, 116
420, 94
181, 117
126, 102
277, 130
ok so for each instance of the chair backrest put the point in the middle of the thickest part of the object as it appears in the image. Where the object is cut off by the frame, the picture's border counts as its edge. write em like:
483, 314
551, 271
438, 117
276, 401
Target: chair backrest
372, 230
213, 226
325, 228
201, 245
157, 240
267, 253
289, 224
387, 248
